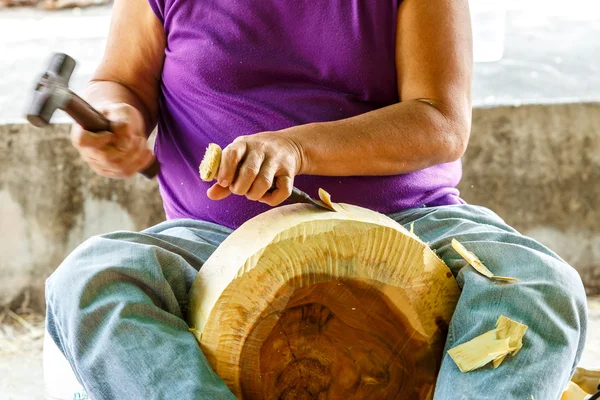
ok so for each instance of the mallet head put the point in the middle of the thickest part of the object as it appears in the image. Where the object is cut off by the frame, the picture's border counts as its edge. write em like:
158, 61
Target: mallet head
52, 90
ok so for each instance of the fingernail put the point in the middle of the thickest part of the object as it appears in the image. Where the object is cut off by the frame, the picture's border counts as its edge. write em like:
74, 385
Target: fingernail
224, 183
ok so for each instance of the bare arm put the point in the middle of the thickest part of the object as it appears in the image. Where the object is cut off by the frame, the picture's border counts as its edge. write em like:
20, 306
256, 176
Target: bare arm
429, 126
432, 122
131, 67
125, 88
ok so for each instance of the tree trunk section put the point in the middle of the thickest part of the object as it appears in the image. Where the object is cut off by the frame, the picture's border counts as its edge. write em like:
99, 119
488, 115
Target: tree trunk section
300, 303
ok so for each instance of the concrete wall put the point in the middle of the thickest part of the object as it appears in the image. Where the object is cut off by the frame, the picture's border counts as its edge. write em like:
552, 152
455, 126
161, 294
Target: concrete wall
50, 202
537, 166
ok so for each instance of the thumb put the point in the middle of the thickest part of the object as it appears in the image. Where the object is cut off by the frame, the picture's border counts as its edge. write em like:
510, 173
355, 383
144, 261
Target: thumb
124, 137
217, 192
126, 124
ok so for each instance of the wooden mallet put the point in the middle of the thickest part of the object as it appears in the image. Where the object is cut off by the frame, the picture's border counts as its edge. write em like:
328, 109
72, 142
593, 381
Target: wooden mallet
52, 93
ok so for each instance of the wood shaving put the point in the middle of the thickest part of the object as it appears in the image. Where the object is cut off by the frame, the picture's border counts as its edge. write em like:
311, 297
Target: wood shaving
574, 392
587, 379
479, 351
507, 328
498, 361
474, 261
325, 198
492, 346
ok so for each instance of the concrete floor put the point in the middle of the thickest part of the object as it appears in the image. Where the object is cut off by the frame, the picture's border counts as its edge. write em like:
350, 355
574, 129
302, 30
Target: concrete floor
21, 341
21, 376
21, 371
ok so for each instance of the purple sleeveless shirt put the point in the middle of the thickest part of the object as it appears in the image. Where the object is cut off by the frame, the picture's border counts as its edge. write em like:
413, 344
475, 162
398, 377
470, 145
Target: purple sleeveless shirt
241, 67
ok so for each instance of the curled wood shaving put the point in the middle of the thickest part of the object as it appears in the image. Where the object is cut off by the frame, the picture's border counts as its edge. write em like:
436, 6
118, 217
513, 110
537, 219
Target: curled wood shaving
492, 346
587, 379
472, 259
507, 328
574, 392
325, 198
209, 167
479, 351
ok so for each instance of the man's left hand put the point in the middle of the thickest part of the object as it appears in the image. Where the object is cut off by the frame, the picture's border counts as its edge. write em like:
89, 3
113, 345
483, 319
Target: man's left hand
251, 164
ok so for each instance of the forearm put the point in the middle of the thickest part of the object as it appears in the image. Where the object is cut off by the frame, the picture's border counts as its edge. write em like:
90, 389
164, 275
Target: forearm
397, 139
100, 93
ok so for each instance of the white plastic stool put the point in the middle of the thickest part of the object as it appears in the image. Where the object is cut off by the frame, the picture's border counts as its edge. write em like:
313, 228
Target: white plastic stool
60, 382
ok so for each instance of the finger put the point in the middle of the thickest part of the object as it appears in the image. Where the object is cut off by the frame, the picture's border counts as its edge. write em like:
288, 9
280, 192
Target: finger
148, 162
105, 169
106, 155
110, 156
284, 184
263, 181
137, 164
136, 159
125, 138
127, 124
107, 173
122, 171
217, 192
81, 138
247, 172
230, 158
126, 165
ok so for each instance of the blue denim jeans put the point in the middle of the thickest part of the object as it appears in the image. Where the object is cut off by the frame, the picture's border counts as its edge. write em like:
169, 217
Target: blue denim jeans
116, 308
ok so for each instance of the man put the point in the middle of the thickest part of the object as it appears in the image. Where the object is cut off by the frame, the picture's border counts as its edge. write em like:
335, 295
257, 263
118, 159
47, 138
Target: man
367, 99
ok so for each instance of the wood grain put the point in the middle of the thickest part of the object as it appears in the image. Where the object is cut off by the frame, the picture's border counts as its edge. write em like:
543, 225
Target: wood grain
305, 304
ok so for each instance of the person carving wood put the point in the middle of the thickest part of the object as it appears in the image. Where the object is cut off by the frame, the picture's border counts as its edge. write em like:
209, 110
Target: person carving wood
370, 100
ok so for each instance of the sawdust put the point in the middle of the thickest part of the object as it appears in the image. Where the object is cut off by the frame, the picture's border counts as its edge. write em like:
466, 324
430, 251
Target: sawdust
21, 330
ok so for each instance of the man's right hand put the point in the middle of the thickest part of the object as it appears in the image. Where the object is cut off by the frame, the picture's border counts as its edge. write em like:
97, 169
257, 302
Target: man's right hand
119, 154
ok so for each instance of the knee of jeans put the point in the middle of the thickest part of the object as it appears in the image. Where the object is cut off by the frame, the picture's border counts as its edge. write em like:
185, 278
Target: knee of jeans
568, 290
569, 278
71, 273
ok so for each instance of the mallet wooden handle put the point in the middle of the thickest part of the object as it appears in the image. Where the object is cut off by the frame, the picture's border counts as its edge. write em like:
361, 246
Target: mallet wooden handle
93, 121
86, 115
